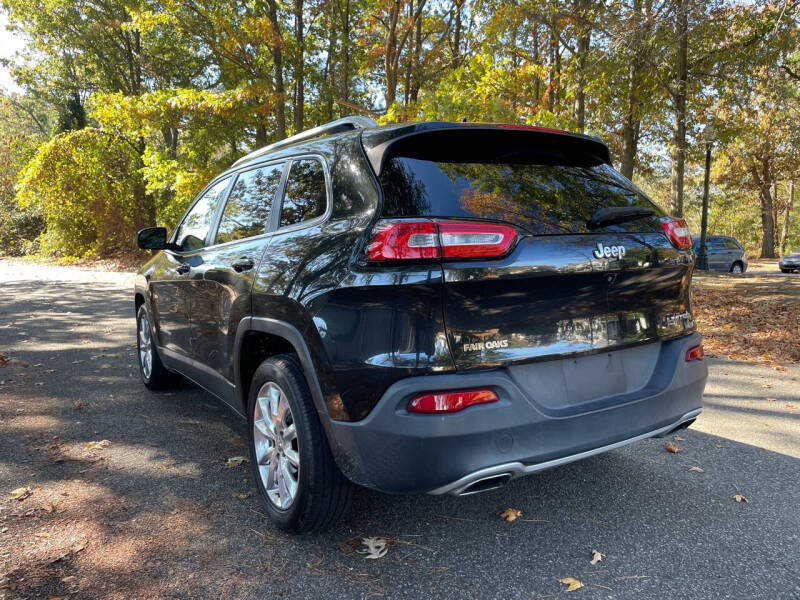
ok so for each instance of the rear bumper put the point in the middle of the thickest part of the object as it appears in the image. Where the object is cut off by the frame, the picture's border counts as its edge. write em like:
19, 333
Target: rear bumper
395, 451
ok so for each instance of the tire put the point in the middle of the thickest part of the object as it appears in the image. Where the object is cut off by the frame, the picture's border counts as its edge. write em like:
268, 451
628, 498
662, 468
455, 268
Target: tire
786, 270
299, 484
737, 268
156, 377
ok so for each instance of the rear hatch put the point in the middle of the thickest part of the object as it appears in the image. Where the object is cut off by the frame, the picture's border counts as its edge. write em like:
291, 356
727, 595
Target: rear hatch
591, 267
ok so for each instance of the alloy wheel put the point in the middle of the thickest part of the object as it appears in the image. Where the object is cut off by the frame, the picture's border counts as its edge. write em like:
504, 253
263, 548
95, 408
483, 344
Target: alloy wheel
276, 445
145, 347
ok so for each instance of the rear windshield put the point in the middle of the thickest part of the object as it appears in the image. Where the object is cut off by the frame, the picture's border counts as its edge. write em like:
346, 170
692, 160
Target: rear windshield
544, 199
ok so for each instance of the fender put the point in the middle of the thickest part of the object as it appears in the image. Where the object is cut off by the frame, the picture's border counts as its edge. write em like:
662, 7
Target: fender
291, 334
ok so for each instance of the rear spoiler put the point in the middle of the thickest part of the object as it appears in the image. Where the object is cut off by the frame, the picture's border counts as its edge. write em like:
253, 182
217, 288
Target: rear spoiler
479, 143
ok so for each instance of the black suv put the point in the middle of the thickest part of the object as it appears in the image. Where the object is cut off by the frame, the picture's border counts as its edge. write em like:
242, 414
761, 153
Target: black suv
430, 307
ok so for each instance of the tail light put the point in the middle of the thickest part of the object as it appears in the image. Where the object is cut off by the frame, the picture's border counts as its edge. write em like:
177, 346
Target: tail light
695, 353
677, 231
435, 239
450, 402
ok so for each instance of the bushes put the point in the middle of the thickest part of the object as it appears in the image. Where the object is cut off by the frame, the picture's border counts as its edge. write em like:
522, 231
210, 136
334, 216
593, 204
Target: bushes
85, 184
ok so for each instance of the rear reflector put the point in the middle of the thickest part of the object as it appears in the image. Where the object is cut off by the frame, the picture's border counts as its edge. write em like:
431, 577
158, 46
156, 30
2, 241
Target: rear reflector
677, 231
694, 353
450, 402
434, 239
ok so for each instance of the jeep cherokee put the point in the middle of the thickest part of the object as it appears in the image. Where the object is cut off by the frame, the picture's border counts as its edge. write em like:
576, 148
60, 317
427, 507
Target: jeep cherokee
430, 307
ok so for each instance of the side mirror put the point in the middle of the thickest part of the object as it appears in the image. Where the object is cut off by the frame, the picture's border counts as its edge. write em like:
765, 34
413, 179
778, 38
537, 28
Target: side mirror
152, 238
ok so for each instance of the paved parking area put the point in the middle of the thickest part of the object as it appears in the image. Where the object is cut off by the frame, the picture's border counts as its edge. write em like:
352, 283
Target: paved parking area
152, 511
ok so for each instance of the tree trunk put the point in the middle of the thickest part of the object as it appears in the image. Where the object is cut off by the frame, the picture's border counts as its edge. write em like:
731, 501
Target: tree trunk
345, 79
631, 121
299, 81
762, 176
679, 108
456, 50
389, 55
537, 82
584, 42
786, 214
416, 80
277, 64
554, 59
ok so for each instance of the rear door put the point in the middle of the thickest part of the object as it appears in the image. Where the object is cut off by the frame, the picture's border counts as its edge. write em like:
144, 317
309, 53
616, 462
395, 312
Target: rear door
566, 287
224, 280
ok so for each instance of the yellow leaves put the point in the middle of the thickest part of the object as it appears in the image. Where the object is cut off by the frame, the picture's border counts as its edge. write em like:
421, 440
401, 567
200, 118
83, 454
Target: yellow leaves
510, 514
741, 498
96, 445
571, 583
20, 493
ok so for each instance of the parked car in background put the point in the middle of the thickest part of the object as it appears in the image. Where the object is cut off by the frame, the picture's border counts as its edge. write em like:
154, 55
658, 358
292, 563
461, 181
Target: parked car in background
790, 262
724, 253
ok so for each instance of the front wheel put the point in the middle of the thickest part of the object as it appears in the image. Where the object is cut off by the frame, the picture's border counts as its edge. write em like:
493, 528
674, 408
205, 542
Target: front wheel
152, 371
736, 268
298, 481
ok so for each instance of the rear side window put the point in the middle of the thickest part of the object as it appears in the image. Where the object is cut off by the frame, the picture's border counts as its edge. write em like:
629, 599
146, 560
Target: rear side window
544, 199
249, 204
306, 196
194, 228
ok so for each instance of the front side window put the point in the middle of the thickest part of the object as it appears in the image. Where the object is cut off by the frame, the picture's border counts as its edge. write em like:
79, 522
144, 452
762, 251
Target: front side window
305, 197
192, 232
249, 203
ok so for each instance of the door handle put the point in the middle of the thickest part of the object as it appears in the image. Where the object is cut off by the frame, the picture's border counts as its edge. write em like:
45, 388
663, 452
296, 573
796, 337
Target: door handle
182, 269
243, 263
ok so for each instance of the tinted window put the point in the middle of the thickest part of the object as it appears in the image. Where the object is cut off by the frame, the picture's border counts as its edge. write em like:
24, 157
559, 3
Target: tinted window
731, 244
544, 199
305, 197
249, 203
192, 232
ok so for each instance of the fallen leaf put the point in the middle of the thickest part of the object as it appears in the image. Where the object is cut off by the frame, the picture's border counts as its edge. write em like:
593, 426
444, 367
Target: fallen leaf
791, 406
511, 514
68, 579
21, 493
241, 496
770, 399
236, 461
596, 557
77, 404
373, 547
696, 470
571, 583
678, 438
671, 447
96, 445
740, 498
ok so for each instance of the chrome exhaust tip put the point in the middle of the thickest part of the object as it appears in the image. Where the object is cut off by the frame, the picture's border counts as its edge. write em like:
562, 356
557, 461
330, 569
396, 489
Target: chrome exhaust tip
485, 484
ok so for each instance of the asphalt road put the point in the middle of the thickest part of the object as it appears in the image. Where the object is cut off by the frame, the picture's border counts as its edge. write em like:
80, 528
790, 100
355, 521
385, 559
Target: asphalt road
155, 512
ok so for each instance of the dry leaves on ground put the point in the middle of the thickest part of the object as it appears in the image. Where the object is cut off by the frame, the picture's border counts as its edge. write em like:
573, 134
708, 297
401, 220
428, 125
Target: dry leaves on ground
20, 493
696, 470
236, 461
671, 447
96, 445
740, 498
753, 319
596, 557
571, 583
511, 514
374, 547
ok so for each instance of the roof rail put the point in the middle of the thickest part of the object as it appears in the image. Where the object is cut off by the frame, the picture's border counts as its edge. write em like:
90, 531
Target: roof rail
337, 126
